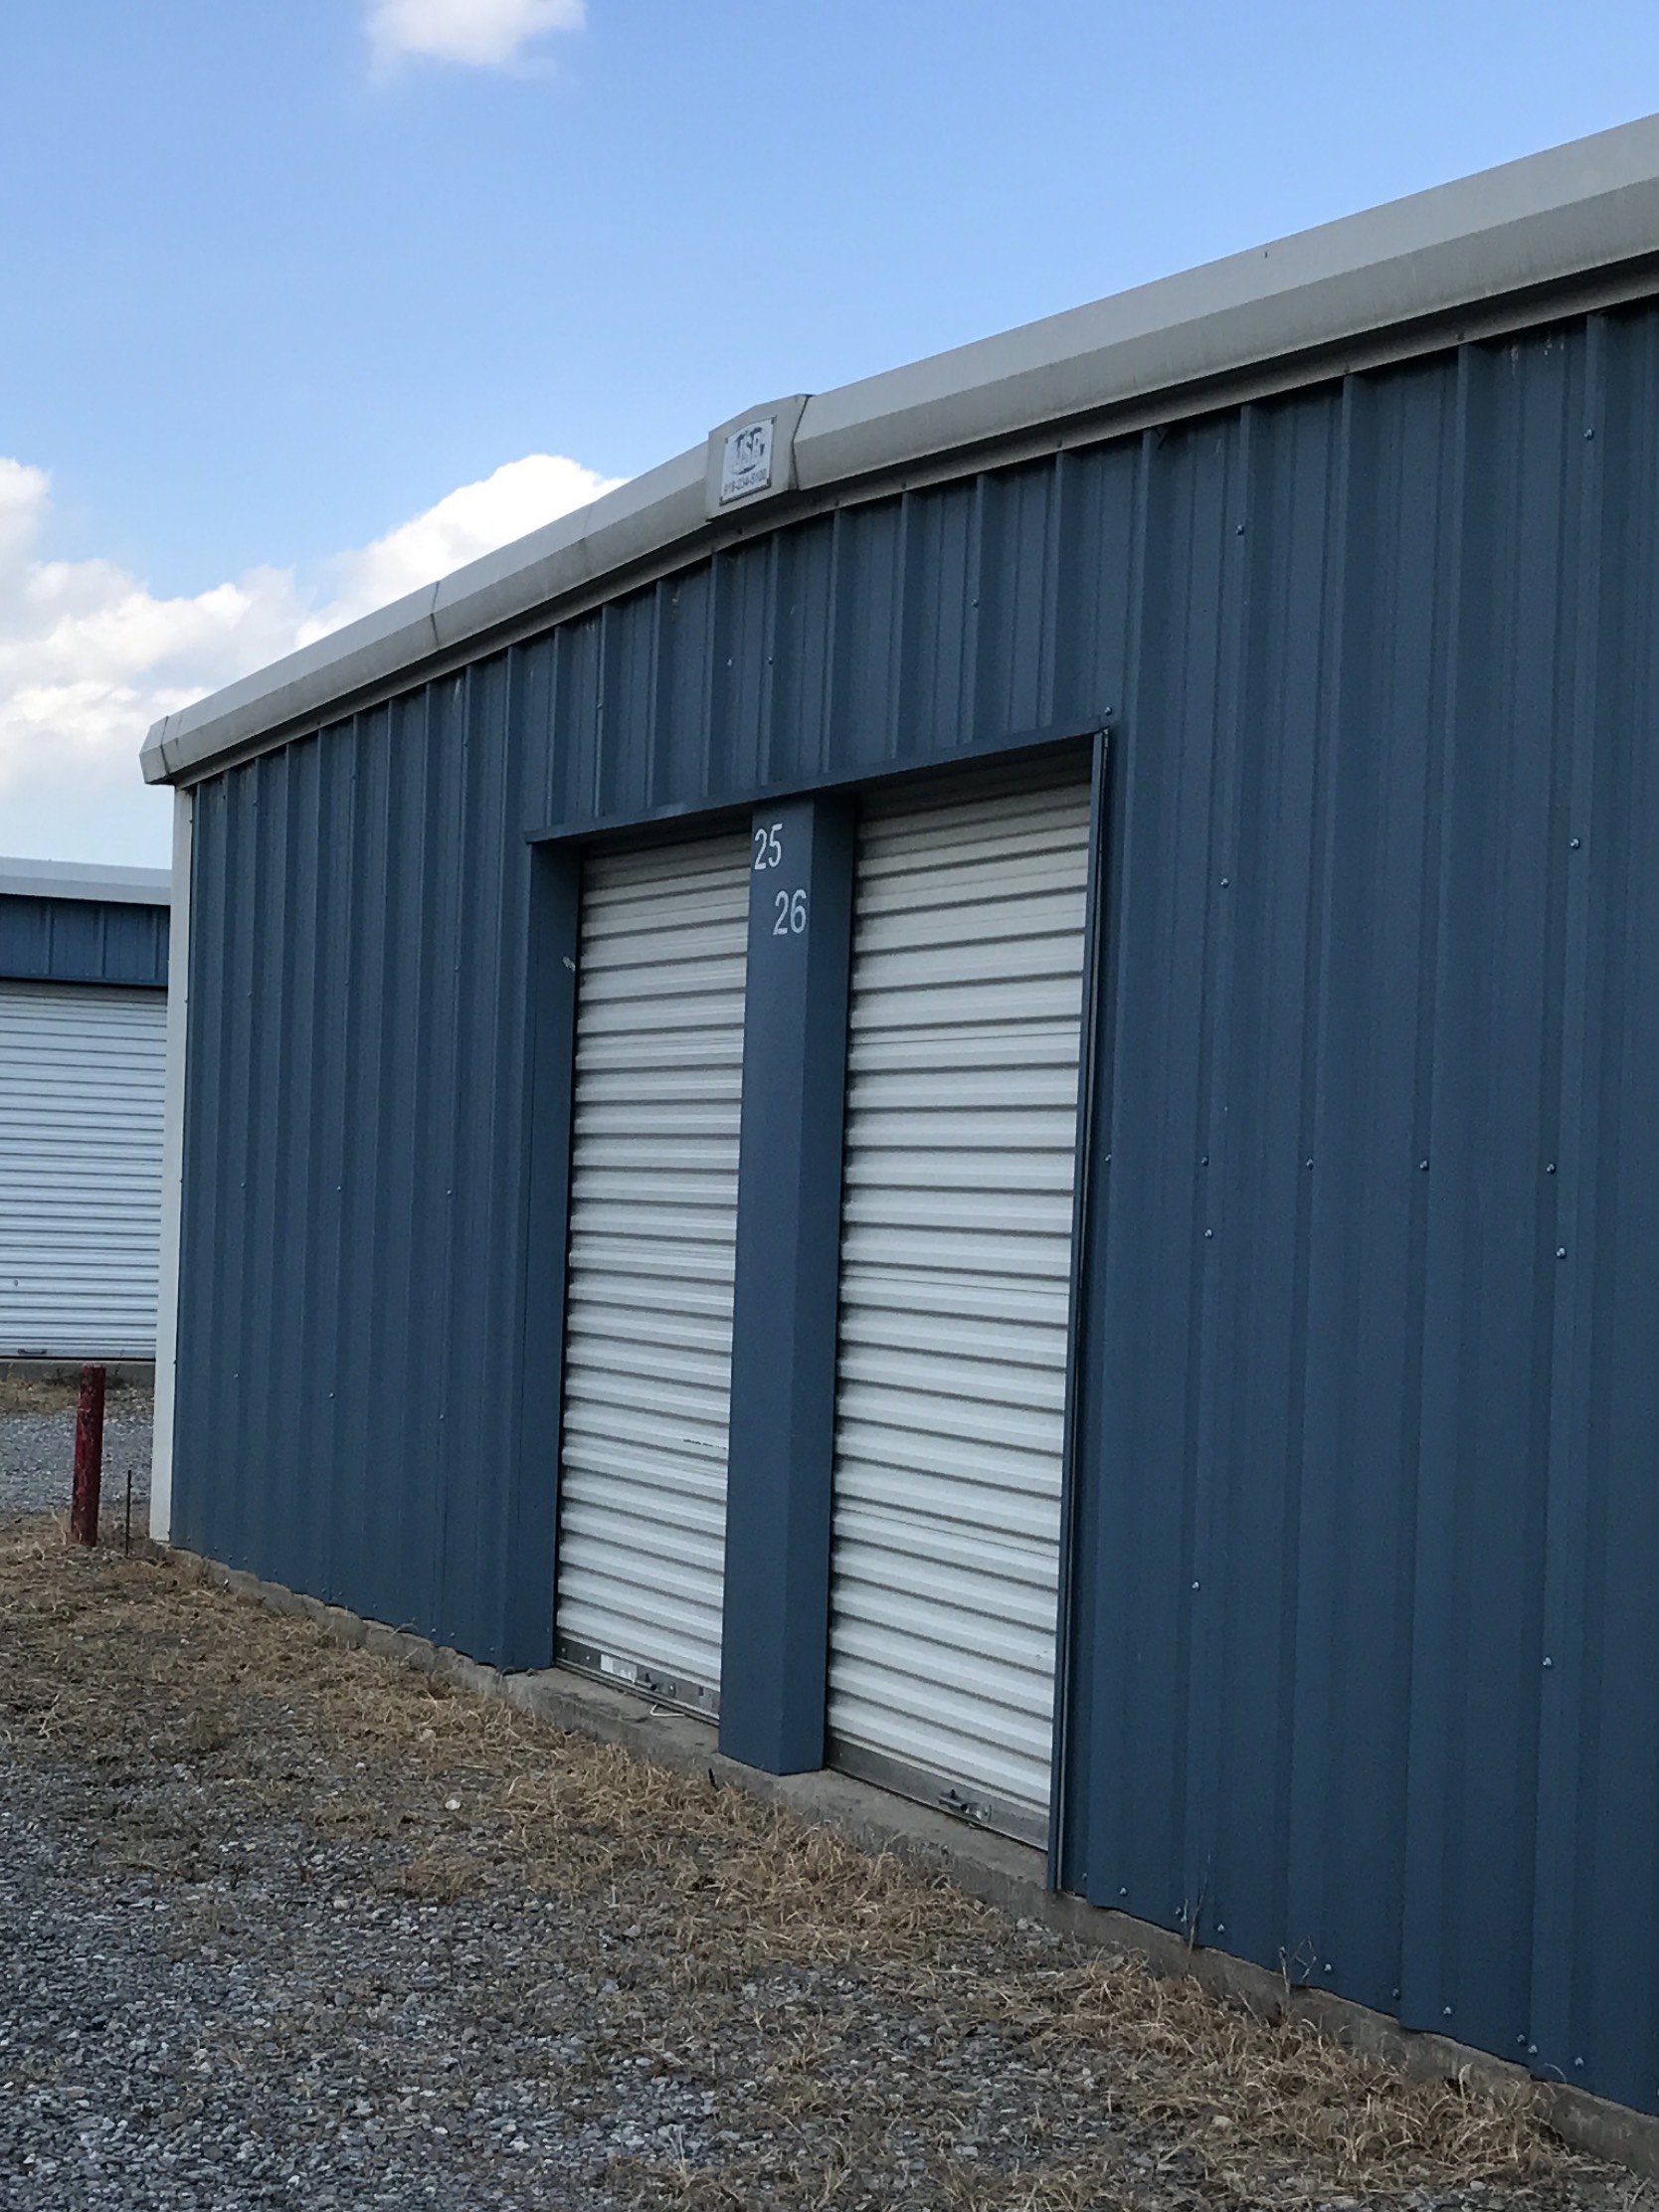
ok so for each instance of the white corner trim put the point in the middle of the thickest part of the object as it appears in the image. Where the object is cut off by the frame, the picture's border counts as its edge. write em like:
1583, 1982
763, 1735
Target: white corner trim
172, 1174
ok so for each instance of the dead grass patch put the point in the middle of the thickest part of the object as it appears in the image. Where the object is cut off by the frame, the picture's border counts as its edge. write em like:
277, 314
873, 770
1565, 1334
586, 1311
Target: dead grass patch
715, 1907
32, 1394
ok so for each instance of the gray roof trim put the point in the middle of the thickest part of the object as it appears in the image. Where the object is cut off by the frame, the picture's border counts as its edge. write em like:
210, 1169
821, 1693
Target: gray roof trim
1582, 210
80, 880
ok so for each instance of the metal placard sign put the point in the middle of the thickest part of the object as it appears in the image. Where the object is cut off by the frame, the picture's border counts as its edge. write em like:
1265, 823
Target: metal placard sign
747, 465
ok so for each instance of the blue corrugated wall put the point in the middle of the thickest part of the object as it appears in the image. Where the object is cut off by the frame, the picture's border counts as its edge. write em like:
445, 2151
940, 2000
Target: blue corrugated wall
1369, 1535
59, 940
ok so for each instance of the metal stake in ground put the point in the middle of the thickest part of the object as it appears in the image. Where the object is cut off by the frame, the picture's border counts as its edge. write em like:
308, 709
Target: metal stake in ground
89, 1457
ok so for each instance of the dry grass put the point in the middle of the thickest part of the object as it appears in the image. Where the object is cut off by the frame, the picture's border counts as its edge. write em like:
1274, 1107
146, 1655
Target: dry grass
29, 1393
711, 1901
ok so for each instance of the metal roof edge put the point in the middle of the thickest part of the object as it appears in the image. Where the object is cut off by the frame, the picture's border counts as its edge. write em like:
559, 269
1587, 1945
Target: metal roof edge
82, 879
1585, 207
623, 526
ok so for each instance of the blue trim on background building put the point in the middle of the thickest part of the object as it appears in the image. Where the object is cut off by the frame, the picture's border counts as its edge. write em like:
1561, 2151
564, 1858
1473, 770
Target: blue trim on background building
88, 941
775, 1651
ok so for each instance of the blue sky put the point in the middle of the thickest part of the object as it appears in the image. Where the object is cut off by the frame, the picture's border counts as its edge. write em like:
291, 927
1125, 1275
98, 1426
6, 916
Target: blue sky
277, 283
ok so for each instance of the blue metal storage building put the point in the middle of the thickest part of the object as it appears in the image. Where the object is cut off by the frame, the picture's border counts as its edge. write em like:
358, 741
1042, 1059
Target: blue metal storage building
83, 1016
1319, 588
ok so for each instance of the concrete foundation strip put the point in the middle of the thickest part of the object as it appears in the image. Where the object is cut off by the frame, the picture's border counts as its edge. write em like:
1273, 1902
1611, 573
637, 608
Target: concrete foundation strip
1009, 1876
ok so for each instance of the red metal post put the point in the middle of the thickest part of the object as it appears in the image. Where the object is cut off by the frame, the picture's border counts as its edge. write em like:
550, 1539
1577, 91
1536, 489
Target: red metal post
89, 1457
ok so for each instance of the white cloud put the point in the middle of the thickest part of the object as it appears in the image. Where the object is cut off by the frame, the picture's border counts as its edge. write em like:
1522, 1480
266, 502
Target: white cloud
486, 33
89, 658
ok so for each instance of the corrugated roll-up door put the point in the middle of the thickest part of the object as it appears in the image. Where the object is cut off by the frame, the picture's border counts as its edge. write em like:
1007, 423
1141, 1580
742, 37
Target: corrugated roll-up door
652, 1241
956, 1270
82, 1074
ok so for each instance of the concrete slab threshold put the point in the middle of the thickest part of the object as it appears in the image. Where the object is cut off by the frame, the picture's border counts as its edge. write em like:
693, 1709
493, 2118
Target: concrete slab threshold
1009, 1876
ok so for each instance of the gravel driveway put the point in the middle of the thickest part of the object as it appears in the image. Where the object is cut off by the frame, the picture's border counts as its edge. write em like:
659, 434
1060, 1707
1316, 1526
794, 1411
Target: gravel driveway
282, 1924
37, 1452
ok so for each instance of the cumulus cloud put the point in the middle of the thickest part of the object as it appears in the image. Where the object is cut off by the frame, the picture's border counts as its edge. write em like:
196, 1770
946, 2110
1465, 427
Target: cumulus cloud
484, 34
90, 657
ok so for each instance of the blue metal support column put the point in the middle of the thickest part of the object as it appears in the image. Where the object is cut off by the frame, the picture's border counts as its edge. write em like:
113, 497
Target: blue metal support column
776, 1596
530, 1536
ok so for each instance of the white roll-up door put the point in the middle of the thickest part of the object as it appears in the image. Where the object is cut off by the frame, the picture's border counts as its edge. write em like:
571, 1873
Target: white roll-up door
955, 1267
81, 1108
652, 1242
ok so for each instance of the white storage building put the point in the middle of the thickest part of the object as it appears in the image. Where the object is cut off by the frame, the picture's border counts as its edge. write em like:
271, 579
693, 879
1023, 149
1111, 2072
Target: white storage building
83, 1049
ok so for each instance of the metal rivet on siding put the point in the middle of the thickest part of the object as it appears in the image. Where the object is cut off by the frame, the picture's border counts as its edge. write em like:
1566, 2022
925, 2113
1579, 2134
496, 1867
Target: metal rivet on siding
1205, 1162
1589, 434
1577, 2061
1550, 1169
1210, 1232
1560, 1251
1240, 529
1123, 1893
1307, 1162
1397, 1993
1226, 881
1531, 2050
1549, 1662
1221, 1929
1575, 842
1422, 1165
1194, 1585
1445, 2012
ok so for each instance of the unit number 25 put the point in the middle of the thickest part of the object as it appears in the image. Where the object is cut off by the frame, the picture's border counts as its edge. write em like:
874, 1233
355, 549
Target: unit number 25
789, 914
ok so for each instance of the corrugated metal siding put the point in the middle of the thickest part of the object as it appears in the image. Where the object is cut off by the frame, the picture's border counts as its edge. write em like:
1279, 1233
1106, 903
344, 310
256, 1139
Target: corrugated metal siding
81, 1098
352, 1305
1370, 1535
658, 1089
954, 1289
1381, 652
48, 940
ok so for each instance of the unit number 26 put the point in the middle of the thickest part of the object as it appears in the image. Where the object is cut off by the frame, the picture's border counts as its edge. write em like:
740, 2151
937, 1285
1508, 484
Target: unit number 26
789, 914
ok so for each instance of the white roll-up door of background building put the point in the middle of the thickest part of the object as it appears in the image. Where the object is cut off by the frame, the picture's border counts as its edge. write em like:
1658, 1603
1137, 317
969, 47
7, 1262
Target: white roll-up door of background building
652, 1245
956, 1269
81, 1073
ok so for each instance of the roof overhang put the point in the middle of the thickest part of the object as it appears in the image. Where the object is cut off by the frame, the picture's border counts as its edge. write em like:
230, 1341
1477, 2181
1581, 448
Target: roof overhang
1563, 229
76, 879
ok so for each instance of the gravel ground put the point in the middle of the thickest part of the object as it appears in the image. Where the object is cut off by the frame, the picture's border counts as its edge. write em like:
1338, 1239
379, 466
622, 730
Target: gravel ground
284, 1924
37, 1455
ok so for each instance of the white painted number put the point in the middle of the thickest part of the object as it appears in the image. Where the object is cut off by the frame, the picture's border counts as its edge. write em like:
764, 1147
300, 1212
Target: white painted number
791, 914
769, 847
